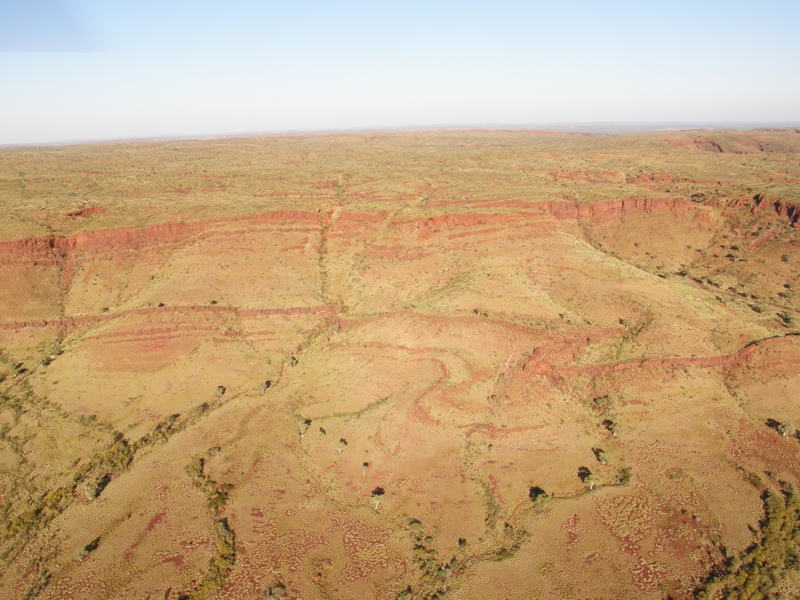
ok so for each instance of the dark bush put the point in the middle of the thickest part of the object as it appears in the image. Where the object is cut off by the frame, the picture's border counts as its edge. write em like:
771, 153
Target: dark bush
536, 492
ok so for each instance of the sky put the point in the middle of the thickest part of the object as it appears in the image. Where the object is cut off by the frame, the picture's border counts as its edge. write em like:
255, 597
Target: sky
116, 69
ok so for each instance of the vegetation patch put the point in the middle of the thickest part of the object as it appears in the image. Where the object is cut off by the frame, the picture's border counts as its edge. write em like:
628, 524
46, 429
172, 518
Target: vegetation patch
759, 571
220, 565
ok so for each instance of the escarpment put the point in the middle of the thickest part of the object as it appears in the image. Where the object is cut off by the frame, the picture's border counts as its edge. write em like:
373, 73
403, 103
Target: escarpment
55, 250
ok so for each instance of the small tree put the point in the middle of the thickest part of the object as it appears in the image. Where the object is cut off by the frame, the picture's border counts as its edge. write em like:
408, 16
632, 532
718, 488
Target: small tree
535, 493
624, 476
364, 468
611, 426
603, 402
377, 494
584, 474
221, 389
303, 427
341, 445
601, 455
276, 591
785, 428
90, 547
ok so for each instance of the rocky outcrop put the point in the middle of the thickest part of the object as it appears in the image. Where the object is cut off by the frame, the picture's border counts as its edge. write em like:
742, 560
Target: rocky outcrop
614, 209
784, 209
535, 366
55, 250
60, 251
47, 251
85, 212
790, 211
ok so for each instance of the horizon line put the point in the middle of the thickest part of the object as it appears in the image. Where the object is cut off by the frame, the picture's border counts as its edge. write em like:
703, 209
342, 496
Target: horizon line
570, 127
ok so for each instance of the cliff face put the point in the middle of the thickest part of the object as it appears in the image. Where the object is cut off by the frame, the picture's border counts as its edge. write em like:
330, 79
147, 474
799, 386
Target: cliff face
615, 208
378, 234
39, 250
784, 209
61, 252
130, 238
54, 250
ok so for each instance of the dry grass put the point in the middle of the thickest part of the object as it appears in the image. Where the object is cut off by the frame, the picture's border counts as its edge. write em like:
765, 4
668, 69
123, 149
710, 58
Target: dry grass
609, 320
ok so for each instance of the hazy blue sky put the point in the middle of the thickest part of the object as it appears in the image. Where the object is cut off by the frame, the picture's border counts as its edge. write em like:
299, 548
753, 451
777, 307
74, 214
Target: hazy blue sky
91, 69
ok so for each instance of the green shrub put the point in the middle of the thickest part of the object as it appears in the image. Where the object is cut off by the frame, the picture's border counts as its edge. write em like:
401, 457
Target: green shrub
759, 570
624, 476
